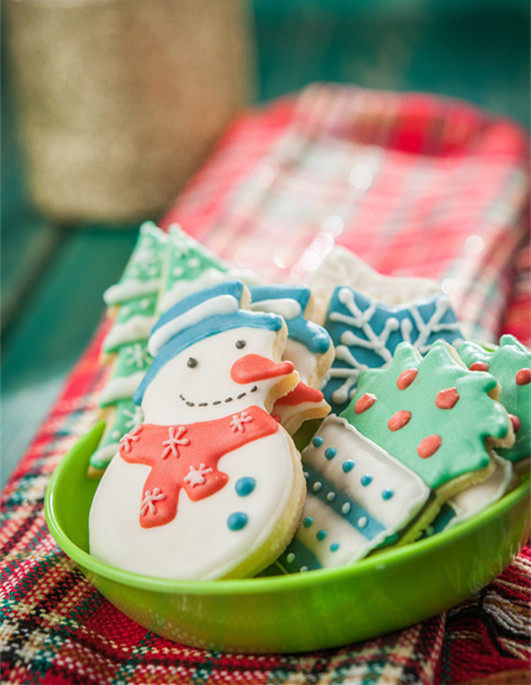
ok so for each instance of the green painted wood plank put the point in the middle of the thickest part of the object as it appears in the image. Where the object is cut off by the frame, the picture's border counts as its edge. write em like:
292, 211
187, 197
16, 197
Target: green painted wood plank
28, 240
53, 331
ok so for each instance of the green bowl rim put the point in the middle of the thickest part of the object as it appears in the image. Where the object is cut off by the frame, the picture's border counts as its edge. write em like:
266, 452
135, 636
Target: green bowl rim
272, 583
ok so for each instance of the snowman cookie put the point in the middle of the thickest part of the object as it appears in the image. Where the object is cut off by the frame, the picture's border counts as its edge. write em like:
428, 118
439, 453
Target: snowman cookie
209, 485
510, 364
415, 434
365, 333
341, 267
309, 348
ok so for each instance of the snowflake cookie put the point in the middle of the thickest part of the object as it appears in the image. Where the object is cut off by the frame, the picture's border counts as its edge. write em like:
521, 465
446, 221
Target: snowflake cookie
209, 485
366, 332
416, 433
309, 347
510, 364
342, 267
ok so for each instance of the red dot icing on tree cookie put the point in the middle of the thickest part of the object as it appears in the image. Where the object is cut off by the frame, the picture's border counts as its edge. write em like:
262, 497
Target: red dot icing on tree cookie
365, 402
429, 446
446, 399
516, 422
479, 366
523, 377
406, 378
398, 420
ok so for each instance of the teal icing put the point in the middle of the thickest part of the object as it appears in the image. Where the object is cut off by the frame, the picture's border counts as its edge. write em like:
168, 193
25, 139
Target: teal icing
387, 494
334, 546
317, 441
298, 556
244, 486
348, 509
307, 521
321, 534
366, 480
314, 337
347, 465
237, 520
330, 452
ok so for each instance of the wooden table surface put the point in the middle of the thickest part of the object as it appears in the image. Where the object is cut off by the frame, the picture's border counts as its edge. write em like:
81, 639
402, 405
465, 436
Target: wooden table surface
53, 276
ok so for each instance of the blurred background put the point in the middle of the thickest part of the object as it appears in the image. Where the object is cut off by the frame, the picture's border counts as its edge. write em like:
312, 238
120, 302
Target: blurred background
59, 250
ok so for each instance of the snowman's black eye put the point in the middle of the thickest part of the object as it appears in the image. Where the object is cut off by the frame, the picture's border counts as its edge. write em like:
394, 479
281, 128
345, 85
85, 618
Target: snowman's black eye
240, 344
192, 362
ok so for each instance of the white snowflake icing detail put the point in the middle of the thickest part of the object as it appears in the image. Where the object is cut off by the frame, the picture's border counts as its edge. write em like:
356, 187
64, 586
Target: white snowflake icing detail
173, 441
377, 343
197, 476
149, 497
136, 355
127, 440
134, 417
238, 421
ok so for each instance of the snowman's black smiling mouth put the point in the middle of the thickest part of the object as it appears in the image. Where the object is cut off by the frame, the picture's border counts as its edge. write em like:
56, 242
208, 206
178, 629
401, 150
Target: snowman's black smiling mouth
216, 402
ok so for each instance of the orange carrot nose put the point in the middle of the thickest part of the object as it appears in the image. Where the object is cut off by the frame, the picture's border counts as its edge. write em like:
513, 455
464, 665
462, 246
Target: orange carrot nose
253, 367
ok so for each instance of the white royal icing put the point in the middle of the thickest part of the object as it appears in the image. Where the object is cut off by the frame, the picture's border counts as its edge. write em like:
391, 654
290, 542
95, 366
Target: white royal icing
137, 327
129, 289
121, 388
286, 307
342, 267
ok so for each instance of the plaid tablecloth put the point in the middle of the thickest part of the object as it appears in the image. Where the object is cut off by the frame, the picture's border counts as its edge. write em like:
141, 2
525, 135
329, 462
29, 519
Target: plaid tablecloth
414, 185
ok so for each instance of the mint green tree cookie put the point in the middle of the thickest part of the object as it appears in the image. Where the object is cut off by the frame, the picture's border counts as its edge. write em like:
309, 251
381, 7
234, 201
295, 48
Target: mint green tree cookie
432, 414
510, 364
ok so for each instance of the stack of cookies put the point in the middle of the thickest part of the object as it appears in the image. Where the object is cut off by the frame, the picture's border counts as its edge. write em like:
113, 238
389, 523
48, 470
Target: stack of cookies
406, 428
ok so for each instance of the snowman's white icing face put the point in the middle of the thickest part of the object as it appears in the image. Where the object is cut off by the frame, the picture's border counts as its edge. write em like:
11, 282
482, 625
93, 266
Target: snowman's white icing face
196, 385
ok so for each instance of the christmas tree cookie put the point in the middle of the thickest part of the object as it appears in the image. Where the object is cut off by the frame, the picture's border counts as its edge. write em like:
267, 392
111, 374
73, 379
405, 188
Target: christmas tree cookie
510, 364
142, 274
365, 333
309, 348
189, 267
132, 362
416, 433
121, 417
341, 267
133, 321
209, 485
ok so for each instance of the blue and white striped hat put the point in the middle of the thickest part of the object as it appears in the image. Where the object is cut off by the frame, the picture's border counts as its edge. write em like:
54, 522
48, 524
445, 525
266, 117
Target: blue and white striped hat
197, 316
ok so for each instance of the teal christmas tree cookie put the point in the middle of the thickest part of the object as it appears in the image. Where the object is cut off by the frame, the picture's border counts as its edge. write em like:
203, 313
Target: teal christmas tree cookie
510, 364
133, 322
132, 362
189, 267
143, 272
126, 416
434, 415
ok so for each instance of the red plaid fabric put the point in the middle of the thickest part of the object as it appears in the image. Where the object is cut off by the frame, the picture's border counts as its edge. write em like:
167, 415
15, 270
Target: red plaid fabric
414, 185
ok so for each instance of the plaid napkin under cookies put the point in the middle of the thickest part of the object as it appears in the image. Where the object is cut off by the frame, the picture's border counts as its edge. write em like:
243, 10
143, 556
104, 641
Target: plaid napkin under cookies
414, 185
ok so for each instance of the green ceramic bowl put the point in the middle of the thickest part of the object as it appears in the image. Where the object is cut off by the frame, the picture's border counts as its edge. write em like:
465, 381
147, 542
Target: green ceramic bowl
301, 612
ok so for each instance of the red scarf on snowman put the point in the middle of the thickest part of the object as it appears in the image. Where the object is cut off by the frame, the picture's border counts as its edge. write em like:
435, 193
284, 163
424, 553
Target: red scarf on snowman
186, 456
